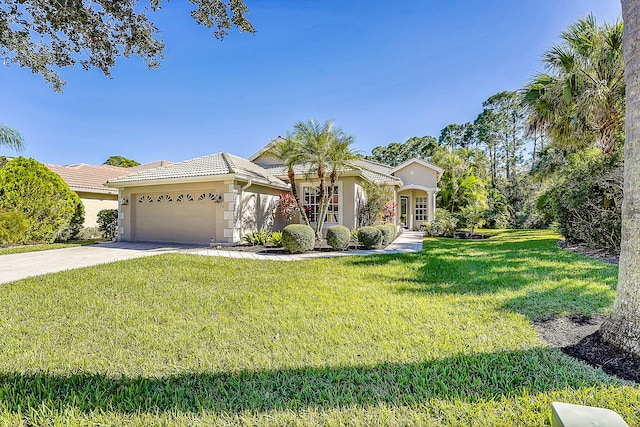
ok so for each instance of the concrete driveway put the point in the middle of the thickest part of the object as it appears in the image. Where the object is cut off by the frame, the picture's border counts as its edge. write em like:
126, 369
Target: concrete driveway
18, 266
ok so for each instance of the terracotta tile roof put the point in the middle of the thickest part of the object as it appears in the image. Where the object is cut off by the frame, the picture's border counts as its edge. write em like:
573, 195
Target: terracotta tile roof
211, 165
89, 178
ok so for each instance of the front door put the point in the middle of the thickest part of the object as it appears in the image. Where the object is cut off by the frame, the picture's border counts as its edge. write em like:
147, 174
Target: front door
404, 208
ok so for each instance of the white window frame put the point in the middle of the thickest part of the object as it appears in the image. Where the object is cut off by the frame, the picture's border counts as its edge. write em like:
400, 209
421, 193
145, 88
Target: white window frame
421, 208
331, 210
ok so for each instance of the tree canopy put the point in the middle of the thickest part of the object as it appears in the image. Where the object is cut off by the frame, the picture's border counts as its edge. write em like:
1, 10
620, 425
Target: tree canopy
120, 161
46, 35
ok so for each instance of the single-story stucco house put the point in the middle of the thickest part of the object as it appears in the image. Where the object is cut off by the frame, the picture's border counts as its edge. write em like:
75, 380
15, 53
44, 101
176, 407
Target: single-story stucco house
88, 182
221, 197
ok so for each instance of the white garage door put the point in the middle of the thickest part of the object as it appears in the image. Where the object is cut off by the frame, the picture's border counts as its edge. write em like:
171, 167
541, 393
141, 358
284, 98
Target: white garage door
175, 217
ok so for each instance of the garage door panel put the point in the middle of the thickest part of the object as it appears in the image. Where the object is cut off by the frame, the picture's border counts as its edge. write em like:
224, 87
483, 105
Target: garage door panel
174, 218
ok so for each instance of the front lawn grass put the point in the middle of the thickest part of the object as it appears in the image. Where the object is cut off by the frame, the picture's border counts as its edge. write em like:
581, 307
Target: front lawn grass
440, 338
45, 247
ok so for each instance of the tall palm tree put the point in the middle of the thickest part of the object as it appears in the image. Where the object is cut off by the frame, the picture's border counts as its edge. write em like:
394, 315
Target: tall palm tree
581, 99
622, 328
287, 150
11, 138
324, 150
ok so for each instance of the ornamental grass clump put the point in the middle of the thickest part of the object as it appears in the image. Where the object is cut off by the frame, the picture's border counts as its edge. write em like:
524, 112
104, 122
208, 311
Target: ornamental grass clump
370, 237
338, 237
389, 233
298, 238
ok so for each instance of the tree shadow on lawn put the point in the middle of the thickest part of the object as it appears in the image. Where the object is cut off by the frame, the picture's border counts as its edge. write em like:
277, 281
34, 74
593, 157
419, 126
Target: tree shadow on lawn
548, 279
468, 378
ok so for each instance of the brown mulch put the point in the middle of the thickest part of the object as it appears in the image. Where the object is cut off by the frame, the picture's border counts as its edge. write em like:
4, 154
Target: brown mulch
579, 336
599, 254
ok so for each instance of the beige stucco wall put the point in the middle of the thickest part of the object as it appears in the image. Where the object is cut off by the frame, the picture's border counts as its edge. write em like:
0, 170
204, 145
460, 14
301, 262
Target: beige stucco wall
94, 203
418, 174
257, 209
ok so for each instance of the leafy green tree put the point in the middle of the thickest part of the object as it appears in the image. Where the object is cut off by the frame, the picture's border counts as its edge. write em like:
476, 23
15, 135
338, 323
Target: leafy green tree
396, 153
47, 202
120, 161
46, 35
11, 138
462, 183
580, 102
622, 328
456, 136
500, 130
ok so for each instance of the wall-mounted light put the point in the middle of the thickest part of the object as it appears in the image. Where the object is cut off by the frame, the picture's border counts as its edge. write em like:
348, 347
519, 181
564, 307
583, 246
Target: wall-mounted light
124, 201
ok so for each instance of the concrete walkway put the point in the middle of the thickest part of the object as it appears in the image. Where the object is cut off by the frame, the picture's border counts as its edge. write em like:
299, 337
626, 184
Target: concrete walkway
19, 266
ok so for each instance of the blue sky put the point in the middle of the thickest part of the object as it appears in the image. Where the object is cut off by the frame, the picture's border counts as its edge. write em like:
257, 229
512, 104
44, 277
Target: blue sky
383, 70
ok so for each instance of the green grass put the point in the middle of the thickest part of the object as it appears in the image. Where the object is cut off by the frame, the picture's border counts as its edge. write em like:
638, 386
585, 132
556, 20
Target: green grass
440, 338
45, 247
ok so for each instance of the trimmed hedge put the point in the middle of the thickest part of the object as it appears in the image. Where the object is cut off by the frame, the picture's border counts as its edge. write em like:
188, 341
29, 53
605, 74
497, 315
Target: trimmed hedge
338, 237
298, 238
370, 237
108, 223
389, 232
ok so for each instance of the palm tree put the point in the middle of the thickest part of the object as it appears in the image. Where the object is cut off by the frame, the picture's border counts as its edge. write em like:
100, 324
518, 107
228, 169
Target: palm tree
11, 138
622, 328
581, 100
287, 150
323, 150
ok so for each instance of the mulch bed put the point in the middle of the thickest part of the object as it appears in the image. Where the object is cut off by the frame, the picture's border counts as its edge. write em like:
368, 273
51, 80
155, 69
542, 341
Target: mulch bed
579, 336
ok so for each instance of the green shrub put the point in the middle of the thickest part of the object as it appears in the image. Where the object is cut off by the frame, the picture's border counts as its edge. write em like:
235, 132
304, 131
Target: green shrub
370, 237
338, 237
108, 223
72, 231
46, 201
388, 233
258, 237
276, 238
587, 203
298, 238
13, 225
444, 224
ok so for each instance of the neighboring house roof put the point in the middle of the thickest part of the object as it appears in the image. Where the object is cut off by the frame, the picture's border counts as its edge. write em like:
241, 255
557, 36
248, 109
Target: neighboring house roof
214, 165
89, 178
150, 165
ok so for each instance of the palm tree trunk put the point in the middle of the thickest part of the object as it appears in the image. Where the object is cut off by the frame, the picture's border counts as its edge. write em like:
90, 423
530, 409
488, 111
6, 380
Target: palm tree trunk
294, 193
622, 328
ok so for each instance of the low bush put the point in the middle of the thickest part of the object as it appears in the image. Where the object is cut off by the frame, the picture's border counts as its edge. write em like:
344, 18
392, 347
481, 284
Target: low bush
257, 237
276, 238
108, 223
73, 229
338, 237
298, 238
13, 224
370, 237
389, 232
444, 224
